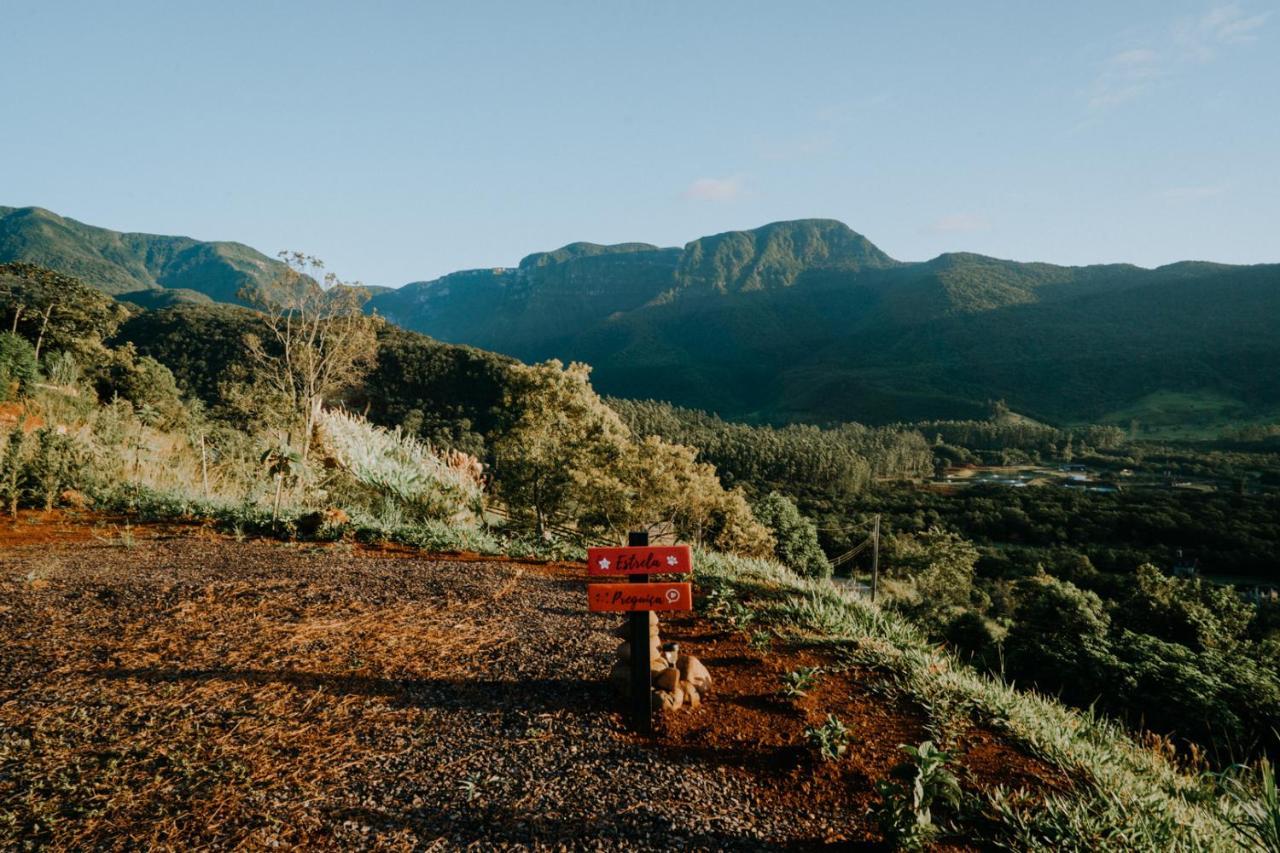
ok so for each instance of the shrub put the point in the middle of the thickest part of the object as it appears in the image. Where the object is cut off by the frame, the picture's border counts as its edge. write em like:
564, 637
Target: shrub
18, 368
11, 489
799, 682
57, 463
796, 537
829, 740
385, 463
906, 810
144, 382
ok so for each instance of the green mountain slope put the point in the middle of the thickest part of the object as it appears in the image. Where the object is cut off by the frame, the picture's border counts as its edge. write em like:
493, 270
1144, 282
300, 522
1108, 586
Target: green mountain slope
808, 320
804, 320
117, 262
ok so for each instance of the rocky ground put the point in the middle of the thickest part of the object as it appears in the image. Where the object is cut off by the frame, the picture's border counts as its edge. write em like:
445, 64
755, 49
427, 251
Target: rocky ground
168, 687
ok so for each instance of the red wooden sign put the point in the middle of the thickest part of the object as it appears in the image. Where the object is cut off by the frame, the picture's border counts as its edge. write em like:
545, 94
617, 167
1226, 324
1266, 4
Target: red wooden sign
655, 560
619, 597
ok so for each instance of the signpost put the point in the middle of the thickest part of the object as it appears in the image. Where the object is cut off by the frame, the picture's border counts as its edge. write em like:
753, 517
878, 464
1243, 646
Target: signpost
624, 597
637, 597
643, 560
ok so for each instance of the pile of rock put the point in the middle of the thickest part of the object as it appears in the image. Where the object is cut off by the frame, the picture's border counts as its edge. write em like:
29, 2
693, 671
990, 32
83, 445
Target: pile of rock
679, 680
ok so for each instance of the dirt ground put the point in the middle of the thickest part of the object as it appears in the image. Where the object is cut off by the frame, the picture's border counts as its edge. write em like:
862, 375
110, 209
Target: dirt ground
168, 687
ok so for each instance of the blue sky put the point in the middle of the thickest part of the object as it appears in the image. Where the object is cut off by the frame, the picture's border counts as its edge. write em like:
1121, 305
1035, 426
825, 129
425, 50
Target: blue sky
400, 141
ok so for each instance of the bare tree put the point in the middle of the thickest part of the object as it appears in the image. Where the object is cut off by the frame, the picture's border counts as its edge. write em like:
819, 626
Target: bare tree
317, 340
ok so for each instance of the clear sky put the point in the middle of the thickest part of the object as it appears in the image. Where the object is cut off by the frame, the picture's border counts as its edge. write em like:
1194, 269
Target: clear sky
403, 140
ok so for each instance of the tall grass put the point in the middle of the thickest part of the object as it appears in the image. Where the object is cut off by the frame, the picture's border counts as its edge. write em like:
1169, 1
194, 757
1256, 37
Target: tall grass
423, 483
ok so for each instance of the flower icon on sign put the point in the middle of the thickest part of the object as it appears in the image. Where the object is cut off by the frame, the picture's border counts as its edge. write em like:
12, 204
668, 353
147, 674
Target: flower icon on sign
671, 561
673, 595
604, 564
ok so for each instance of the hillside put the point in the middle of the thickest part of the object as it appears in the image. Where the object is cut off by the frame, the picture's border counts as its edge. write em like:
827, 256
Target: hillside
796, 321
123, 263
258, 601
809, 321
169, 684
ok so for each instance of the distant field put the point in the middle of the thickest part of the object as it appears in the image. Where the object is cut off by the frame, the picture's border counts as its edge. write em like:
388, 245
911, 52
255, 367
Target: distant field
1173, 415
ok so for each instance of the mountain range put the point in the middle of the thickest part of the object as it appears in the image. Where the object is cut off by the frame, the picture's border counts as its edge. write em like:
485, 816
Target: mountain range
804, 320
149, 269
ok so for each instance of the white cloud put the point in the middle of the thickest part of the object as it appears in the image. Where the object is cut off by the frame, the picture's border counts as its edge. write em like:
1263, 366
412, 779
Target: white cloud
715, 189
1222, 25
960, 223
1126, 75
1123, 77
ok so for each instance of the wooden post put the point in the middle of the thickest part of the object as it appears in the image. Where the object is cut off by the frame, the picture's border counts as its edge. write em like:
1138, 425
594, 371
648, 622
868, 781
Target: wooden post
641, 686
875, 559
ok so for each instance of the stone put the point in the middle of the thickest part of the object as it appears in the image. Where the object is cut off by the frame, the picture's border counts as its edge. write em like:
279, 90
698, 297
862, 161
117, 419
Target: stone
668, 700
692, 671
691, 696
657, 665
667, 679
624, 650
623, 631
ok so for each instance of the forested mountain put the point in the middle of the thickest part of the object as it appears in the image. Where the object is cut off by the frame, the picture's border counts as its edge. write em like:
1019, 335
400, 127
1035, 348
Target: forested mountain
794, 321
121, 263
808, 320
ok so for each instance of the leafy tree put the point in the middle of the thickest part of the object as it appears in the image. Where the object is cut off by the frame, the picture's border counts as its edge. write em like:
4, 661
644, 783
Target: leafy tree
1058, 640
11, 465
1188, 611
18, 368
939, 563
56, 311
796, 536
566, 457
146, 383
562, 450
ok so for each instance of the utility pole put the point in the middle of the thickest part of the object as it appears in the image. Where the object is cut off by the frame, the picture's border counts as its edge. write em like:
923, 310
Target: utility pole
875, 558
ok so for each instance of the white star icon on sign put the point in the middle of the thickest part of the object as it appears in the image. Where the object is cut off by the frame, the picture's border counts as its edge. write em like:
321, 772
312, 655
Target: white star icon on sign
604, 563
673, 595
671, 561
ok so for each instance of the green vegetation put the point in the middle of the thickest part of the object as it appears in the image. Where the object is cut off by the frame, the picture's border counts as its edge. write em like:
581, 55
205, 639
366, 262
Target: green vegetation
1124, 797
18, 367
247, 419
117, 263
828, 741
796, 539
794, 321
797, 683
840, 462
921, 784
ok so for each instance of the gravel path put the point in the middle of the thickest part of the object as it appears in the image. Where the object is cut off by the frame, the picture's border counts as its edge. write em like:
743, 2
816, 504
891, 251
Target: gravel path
181, 691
